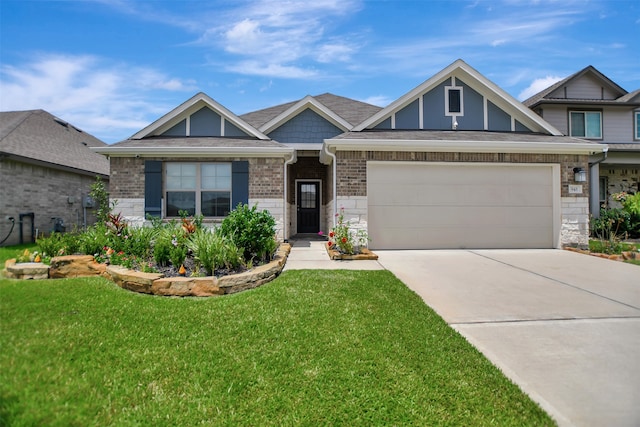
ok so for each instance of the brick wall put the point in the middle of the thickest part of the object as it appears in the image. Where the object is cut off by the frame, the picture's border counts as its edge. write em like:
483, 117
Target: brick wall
44, 191
266, 178
352, 166
307, 168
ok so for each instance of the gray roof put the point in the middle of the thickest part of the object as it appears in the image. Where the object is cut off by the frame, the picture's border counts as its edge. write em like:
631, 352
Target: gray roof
451, 135
541, 97
36, 135
350, 110
624, 146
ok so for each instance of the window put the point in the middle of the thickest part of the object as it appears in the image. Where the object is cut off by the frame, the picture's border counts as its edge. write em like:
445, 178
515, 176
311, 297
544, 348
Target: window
198, 188
453, 101
585, 124
637, 122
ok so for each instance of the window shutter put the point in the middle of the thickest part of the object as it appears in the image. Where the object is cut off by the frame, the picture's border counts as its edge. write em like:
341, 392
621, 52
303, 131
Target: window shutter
239, 183
153, 188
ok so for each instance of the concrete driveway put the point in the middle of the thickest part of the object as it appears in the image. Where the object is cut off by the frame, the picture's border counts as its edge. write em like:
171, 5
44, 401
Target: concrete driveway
563, 326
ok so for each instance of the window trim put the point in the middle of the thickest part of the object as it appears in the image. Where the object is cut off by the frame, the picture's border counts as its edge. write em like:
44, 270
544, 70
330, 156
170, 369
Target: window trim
636, 125
447, 111
198, 187
584, 114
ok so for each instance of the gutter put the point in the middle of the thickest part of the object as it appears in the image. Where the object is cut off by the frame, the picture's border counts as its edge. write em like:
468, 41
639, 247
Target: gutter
465, 146
193, 151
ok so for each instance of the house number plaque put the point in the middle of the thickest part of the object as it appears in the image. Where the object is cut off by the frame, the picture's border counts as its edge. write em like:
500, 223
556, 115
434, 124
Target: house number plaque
575, 189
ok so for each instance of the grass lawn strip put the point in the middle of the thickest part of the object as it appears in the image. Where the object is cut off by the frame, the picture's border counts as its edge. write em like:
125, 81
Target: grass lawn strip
310, 348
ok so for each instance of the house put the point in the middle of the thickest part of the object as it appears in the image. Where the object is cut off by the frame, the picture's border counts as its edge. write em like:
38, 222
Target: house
454, 163
591, 106
46, 169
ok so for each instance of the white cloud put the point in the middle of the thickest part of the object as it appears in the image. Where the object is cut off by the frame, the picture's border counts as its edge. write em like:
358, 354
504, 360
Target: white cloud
538, 85
106, 100
282, 35
332, 52
258, 68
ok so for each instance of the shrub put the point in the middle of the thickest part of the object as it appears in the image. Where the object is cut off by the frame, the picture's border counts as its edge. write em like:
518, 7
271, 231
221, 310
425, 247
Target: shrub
612, 224
631, 205
57, 244
138, 241
251, 230
101, 197
94, 240
213, 251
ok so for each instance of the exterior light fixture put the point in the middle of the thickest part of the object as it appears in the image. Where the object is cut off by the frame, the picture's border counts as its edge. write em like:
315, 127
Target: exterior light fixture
579, 175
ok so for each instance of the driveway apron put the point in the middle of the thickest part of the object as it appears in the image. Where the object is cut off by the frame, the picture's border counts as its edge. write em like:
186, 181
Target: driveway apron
563, 326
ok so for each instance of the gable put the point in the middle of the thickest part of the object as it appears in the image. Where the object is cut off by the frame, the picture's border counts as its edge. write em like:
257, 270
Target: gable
307, 127
457, 98
585, 86
200, 116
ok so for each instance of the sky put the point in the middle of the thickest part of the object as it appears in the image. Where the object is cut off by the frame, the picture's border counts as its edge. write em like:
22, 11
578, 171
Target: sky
112, 67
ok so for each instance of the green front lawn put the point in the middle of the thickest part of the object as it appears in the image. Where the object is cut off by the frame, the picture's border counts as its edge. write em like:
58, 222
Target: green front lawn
310, 348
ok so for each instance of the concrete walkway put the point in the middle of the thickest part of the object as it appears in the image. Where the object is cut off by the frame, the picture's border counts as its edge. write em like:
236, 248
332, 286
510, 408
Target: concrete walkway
312, 254
563, 326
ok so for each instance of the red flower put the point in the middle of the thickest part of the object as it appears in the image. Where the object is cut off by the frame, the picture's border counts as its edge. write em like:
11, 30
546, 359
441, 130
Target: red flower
329, 244
331, 234
344, 240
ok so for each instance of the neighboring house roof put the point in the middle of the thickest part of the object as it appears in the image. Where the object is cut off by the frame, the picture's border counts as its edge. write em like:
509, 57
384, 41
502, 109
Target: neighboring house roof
471, 77
343, 112
36, 136
620, 96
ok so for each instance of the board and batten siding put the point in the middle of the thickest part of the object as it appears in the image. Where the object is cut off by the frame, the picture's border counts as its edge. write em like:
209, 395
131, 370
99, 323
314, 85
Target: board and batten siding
586, 87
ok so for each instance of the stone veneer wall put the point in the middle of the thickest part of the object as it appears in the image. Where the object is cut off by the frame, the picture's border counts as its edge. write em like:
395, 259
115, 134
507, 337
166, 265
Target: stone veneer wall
266, 186
352, 184
46, 192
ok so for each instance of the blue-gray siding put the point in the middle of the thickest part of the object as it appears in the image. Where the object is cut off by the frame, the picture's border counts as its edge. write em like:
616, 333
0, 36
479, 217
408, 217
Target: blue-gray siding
306, 127
408, 117
205, 122
473, 118
498, 119
433, 108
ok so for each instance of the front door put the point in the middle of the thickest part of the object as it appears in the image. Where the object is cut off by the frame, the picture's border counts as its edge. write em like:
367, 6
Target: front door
308, 205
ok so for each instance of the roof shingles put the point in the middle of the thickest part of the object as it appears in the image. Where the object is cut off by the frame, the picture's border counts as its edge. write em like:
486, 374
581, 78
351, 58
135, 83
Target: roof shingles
40, 136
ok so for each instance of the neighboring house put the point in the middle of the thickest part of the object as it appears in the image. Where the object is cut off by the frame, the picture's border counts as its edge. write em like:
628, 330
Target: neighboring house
46, 171
591, 106
454, 163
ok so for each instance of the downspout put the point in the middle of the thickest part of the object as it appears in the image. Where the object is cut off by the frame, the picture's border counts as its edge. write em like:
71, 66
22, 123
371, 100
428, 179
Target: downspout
285, 207
335, 182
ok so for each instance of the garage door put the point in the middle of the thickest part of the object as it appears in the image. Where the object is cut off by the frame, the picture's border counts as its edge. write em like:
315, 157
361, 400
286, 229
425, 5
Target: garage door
461, 205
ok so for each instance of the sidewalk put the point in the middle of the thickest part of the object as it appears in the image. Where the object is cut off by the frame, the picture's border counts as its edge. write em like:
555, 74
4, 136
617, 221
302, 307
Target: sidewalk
311, 254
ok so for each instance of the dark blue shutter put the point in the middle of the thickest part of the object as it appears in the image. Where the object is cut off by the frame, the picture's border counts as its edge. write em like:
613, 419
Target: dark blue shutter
239, 183
153, 188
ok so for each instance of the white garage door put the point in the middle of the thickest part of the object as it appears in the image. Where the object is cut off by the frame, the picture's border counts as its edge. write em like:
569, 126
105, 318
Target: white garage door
415, 205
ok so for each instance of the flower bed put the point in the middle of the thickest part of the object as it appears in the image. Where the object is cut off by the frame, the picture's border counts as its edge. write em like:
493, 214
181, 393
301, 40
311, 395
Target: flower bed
151, 283
363, 254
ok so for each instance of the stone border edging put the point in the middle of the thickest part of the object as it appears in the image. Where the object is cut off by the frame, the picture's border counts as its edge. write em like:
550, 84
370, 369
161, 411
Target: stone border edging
624, 256
365, 254
154, 283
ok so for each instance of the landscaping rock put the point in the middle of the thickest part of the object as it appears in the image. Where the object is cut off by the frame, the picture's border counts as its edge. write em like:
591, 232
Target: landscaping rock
26, 270
186, 286
75, 266
132, 280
